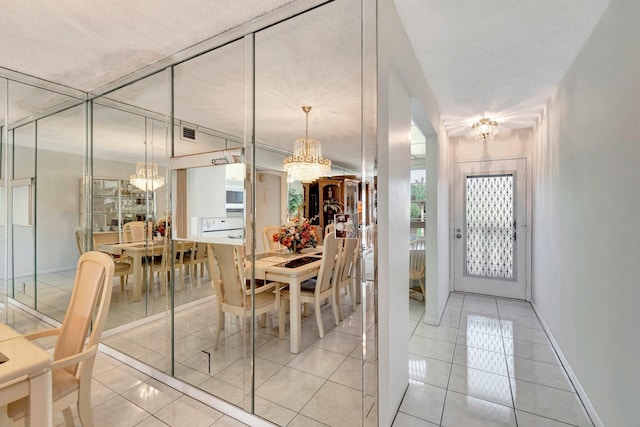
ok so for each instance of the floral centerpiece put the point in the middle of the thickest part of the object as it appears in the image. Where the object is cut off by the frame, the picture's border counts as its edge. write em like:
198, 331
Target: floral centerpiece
297, 235
162, 224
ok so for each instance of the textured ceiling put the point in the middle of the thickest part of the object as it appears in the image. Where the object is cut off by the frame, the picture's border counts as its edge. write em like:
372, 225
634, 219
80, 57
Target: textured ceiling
86, 44
496, 58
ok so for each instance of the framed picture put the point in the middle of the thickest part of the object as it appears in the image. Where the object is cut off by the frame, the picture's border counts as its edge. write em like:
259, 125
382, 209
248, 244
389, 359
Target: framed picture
345, 228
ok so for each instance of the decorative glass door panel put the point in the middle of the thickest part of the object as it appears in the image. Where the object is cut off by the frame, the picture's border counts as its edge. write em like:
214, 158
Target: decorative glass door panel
489, 224
490, 233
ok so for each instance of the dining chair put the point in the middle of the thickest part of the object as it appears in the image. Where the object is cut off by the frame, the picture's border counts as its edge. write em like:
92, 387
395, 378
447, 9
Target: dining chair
347, 273
134, 231
226, 268
329, 228
74, 355
320, 234
417, 264
122, 268
267, 238
319, 288
194, 257
170, 262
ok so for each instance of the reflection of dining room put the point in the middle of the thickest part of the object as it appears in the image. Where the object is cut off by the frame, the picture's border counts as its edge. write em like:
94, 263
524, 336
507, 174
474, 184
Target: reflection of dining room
179, 198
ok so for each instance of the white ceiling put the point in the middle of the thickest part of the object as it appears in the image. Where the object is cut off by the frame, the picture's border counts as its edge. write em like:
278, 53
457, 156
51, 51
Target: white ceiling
496, 58
500, 59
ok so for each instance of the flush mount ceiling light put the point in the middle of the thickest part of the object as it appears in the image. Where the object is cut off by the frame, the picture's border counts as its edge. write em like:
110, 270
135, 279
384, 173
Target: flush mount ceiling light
306, 164
146, 177
485, 129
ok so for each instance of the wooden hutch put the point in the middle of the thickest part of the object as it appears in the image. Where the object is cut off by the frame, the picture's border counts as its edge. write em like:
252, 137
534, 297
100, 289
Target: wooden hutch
328, 196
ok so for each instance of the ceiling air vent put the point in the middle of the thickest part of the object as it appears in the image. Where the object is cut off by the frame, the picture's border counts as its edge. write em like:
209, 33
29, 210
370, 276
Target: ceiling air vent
188, 133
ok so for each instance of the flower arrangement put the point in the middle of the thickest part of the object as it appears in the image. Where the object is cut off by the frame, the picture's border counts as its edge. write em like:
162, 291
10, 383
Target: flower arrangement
162, 224
296, 235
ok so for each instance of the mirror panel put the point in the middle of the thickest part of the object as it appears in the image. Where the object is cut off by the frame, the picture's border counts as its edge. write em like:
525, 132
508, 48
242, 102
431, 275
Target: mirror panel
61, 159
209, 105
171, 322
3, 197
23, 234
312, 60
34, 191
129, 188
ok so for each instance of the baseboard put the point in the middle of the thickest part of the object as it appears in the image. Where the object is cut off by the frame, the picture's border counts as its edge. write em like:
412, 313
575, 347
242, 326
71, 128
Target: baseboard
591, 411
434, 321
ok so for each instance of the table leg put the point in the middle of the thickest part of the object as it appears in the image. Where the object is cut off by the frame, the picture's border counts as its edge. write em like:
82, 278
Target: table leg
295, 319
137, 277
40, 404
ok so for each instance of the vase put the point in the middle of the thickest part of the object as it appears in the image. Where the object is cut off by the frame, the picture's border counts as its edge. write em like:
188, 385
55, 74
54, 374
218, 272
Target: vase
294, 249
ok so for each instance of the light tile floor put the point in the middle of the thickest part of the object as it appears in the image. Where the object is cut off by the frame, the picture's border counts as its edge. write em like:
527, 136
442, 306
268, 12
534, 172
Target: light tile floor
54, 293
318, 385
322, 384
124, 397
489, 363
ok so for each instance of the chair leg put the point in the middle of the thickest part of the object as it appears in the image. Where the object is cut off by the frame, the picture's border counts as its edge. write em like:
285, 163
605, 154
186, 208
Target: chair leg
263, 320
337, 300
219, 326
68, 416
281, 313
122, 283
337, 309
84, 411
352, 293
319, 318
182, 278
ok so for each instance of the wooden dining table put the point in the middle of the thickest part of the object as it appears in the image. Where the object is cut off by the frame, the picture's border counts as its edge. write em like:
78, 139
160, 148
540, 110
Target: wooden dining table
271, 267
24, 372
136, 251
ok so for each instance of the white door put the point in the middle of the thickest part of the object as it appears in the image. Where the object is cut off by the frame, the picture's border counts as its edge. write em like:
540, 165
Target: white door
490, 230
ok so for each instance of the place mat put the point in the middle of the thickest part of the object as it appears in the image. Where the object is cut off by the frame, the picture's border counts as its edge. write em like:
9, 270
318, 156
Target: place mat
274, 259
298, 262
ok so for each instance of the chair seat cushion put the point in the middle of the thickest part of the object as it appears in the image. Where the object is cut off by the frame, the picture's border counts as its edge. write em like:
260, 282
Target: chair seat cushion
262, 300
63, 384
308, 285
121, 267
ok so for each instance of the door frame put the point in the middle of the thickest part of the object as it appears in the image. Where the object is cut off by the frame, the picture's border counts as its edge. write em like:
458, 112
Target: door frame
528, 215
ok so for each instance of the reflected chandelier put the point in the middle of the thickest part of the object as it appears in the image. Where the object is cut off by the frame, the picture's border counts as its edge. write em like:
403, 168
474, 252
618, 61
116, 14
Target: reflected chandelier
146, 177
306, 164
485, 129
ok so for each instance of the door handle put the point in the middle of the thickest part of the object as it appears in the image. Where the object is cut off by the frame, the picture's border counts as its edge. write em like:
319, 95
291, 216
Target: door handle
458, 236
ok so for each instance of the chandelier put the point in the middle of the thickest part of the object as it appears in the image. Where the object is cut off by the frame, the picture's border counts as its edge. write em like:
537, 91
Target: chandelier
485, 129
146, 177
306, 164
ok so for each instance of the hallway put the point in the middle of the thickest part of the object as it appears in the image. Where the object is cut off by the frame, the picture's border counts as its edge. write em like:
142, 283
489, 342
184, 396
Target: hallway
487, 357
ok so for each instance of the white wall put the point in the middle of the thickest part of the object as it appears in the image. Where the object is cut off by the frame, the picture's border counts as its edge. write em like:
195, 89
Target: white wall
58, 209
268, 204
508, 144
400, 81
586, 235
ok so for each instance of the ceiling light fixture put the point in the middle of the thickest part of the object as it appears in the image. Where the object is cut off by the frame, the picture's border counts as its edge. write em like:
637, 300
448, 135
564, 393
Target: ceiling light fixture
306, 164
485, 129
146, 177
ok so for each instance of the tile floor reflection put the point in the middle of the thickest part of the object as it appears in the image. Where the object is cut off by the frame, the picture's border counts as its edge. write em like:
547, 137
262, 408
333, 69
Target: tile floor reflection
124, 397
489, 363
323, 383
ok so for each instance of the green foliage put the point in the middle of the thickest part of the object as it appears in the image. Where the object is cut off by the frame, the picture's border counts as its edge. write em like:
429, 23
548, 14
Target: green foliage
418, 197
419, 190
295, 202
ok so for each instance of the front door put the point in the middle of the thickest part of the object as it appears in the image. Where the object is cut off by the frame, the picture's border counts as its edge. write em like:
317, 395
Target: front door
490, 230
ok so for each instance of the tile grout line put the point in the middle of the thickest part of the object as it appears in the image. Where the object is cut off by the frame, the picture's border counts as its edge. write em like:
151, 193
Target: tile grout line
446, 392
504, 349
